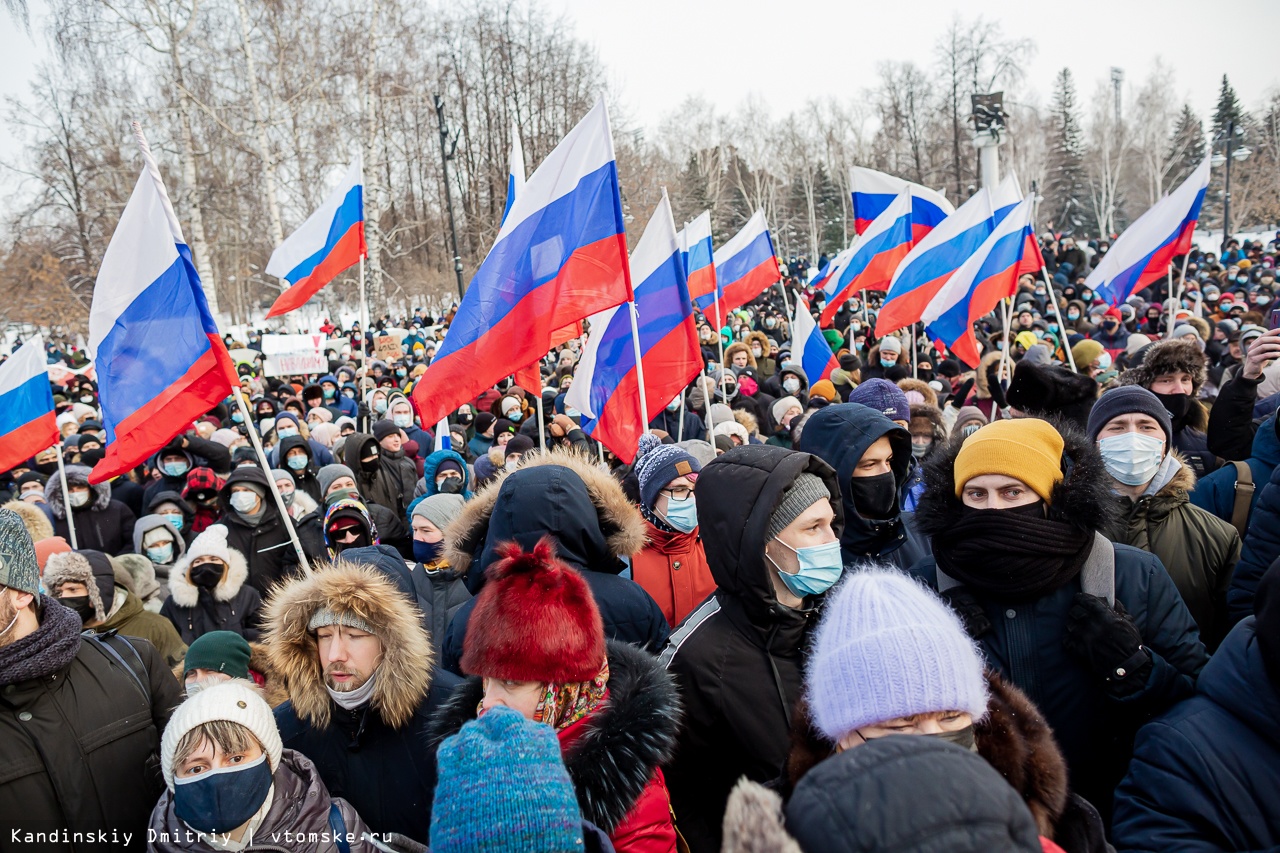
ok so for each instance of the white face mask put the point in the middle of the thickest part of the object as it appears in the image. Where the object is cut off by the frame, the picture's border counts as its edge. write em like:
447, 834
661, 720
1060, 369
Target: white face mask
79, 499
243, 501
1131, 457
791, 385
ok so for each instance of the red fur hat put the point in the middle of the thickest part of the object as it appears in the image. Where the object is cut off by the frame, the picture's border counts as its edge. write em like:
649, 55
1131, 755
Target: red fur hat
535, 620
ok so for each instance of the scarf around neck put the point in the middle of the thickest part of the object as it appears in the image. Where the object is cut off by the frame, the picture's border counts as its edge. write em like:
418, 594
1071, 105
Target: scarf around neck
47, 649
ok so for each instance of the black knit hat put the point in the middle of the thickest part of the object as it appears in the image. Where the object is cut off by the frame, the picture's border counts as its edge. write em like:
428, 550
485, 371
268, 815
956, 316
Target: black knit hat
1125, 400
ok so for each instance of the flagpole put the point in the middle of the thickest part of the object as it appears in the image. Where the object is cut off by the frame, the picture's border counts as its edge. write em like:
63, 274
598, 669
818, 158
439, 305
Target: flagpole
1004, 354
1057, 312
271, 481
680, 429
635, 345
1168, 333
782, 288
66, 497
542, 427
915, 367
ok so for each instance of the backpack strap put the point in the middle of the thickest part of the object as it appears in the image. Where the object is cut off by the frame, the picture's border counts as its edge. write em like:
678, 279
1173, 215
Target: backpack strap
338, 829
107, 643
1243, 499
1098, 575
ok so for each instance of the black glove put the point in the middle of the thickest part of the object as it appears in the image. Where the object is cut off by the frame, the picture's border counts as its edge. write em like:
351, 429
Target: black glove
962, 393
993, 384
966, 606
1109, 644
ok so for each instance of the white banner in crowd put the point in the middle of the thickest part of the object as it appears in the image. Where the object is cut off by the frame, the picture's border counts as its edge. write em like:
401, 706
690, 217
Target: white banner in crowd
292, 354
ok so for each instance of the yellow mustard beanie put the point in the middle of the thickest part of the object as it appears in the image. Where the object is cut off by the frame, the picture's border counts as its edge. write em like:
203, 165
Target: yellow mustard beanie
1027, 449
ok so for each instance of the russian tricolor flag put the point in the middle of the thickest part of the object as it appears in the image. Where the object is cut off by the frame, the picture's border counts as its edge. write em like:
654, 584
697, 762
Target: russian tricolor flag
606, 384
330, 241
808, 346
1143, 252
989, 275
515, 174
876, 254
27, 421
874, 191
161, 362
699, 266
560, 255
746, 265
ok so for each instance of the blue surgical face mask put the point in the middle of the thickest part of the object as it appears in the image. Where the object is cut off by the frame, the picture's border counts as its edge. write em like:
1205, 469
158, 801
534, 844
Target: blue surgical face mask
286, 432
161, 554
515, 416
328, 393
820, 567
175, 469
237, 417
682, 514
223, 799
379, 406
888, 362
1131, 457
175, 520
297, 463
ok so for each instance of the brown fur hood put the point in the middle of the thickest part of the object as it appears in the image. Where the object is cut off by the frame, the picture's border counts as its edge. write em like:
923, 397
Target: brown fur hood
404, 675
620, 521
733, 349
759, 338
1171, 356
920, 387
33, 518
981, 388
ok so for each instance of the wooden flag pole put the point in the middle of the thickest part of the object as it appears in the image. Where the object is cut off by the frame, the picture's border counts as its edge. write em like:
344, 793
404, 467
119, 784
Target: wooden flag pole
271, 481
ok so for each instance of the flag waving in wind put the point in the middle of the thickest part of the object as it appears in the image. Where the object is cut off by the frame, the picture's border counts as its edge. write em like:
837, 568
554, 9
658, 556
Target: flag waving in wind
808, 346
161, 363
1143, 252
560, 255
874, 191
27, 424
747, 264
699, 267
329, 242
876, 254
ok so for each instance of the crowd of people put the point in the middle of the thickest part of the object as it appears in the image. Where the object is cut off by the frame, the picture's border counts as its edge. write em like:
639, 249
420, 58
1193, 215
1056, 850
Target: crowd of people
1029, 604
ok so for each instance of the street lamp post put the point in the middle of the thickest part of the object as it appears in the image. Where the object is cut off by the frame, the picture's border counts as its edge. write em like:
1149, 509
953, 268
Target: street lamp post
1233, 152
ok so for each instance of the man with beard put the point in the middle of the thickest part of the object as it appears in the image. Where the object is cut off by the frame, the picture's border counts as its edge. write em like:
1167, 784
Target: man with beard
362, 681
81, 716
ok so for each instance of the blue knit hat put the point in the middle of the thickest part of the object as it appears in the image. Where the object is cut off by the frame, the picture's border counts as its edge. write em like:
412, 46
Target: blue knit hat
658, 464
1128, 400
503, 787
888, 648
884, 397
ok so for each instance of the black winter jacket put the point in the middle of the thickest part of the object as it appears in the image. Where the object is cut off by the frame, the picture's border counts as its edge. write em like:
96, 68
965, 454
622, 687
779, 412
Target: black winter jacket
739, 657
304, 480
200, 453
103, 524
266, 546
232, 605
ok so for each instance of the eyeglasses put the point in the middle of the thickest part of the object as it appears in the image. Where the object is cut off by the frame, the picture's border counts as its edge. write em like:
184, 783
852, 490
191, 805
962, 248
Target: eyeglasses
679, 493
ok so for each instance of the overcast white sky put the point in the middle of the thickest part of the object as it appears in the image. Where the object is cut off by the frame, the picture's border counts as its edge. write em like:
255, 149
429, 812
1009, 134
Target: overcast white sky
659, 51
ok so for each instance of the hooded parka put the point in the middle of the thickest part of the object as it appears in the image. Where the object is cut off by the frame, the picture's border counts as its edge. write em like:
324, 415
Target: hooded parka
266, 546
102, 524
232, 605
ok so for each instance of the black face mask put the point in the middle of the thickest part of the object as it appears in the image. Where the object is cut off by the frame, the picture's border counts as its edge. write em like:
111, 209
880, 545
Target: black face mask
1177, 405
206, 575
80, 604
369, 465
465, 420
875, 497
450, 486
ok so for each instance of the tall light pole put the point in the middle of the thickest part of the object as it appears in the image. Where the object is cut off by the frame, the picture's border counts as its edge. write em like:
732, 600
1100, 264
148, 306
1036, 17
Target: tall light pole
447, 149
1227, 139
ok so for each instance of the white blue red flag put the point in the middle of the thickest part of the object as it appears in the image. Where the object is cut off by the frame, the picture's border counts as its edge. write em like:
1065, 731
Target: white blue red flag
606, 384
515, 174
560, 255
161, 362
874, 191
808, 346
989, 275
699, 266
876, 254
329, 242
27, 421
747, 264
1143, 252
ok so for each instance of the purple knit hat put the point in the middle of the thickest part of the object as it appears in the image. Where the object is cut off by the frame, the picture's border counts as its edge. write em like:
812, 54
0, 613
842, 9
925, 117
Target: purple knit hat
884, 397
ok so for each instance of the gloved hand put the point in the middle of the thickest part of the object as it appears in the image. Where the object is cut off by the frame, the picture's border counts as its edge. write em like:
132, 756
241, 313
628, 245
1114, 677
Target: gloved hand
966, 606
1109, 644
962, 393
994, 386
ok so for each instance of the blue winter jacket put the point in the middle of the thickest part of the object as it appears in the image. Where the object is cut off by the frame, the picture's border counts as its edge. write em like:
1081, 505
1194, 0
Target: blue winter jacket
1216, 492
1205, 775
1261, 546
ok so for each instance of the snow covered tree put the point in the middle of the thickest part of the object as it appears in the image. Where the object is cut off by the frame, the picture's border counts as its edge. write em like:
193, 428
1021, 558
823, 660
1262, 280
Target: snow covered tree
1065, 186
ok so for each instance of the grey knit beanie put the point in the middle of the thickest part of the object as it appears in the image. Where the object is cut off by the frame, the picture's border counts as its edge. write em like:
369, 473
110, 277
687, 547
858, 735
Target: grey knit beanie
807, 490
329, 473
325, 616
440, 509
18, 567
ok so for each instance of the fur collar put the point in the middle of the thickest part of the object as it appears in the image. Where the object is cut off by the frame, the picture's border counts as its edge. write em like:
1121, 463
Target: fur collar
623, 744
753, 821
622, 523
186, 594
33, 518
982, 388
405, 672
1083, 498
77, 475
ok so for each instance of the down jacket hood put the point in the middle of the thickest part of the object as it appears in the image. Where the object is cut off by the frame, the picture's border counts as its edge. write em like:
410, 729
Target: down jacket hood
33, 519
404, 675
77, 475
559, 493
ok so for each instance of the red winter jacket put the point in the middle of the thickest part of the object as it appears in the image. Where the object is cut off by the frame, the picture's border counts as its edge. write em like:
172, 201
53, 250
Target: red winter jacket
673, 569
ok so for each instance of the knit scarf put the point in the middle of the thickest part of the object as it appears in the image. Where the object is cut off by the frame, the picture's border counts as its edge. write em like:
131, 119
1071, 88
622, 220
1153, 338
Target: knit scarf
1011, 554
46, 650
562, 705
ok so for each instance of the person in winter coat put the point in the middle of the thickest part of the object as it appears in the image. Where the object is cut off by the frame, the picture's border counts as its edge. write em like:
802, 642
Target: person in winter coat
669, 421
230, 783
81, 713
156, 540
178, 458
400, 413
440, 589
1218, 492
207, 590
890, 658
784, 411
363, 685
537, 646
1206, 774
444, 472
1174, 370
176, 510
1231, 426
1093, 632
85, 582
102, 524
1151, 482
791, 380
766, 364
672, 566
770, 521
566, 496
872, 459
382, 478
255, 528
888, 360
295, 457
308, 519
289, 424
329, 386
347, 525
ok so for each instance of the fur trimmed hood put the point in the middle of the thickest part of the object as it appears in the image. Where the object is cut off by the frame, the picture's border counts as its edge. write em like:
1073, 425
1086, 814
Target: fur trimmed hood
77, 475
1083, 498
982, 389
740, 347
754, 823
624, 741
33, 518
920, 387
404, 675
550, 493
186, 594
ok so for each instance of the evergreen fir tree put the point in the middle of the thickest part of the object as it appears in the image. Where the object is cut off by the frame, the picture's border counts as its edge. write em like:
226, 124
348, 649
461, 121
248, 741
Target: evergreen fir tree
1064, 189
1186, 147
1228, 108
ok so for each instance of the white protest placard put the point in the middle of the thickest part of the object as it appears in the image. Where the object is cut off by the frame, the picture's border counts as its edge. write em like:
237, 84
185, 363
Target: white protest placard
289, 355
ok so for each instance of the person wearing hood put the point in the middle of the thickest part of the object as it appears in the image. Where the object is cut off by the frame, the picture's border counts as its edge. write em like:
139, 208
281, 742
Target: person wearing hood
156, 540
102, 524
350, 648
1174, 370
305, 512
791, 380
872, 458
770, 521
85, 582
440, 589
384, 477
334, 399
338, 482
586, 512
207, 590
1151, 484
296, 458
347, 525
255, 528
672, 567
230, 784
400, 412
444, 472
1095, 633
182, 454
538, 647
176, 510
289, 424
759, 345
1206, 774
